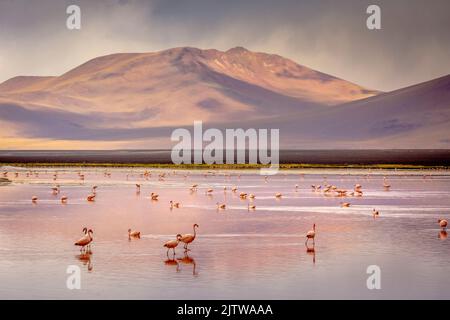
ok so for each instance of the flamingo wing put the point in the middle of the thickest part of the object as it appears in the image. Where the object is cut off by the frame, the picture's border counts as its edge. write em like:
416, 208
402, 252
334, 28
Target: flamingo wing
83, 241
187, 238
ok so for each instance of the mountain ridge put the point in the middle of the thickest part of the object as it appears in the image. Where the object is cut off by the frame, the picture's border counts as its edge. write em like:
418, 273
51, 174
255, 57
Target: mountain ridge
125, 100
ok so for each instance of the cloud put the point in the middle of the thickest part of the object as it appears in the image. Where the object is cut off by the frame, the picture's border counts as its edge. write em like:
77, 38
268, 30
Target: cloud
327, 35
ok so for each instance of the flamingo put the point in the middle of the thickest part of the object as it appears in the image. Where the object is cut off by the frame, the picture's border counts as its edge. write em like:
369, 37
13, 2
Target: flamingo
252, 196
55, 190
172, 244
188, 238
220, 206
91, 198
278, 195
234, 189
34, 198
154, 196
86, 240
345, 204
251, 207
243, 195
138, 187
174, 204
385, 184
209, 191
64, 199
134, 234
443, 224
311, 234
375, 213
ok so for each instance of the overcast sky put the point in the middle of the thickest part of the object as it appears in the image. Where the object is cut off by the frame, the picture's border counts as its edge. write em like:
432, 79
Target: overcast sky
327, 35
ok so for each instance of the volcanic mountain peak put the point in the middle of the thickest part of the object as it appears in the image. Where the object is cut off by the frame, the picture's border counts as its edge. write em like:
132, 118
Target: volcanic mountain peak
268, 71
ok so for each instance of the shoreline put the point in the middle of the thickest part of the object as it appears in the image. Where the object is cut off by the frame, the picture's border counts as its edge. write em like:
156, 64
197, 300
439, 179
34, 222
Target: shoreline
283, 166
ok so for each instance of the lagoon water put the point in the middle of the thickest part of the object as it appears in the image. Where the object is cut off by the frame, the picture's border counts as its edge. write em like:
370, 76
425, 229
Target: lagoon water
238, 254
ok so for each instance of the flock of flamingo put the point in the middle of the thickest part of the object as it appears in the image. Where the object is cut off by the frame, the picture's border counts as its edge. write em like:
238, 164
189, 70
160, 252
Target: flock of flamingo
326, 189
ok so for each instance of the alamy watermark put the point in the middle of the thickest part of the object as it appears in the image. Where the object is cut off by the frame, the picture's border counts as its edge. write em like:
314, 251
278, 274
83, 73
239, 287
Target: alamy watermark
374, 280
251, 146
73, 21
74, 279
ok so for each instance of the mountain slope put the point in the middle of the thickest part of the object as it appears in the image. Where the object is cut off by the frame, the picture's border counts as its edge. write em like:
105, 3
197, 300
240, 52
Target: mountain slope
414, 117
135, 100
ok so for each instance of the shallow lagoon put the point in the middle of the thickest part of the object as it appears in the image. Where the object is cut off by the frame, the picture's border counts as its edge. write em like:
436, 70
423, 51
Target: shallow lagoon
238, 254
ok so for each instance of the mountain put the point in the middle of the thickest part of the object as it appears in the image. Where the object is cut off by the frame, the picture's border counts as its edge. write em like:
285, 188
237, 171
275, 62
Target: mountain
135, 100
416, 117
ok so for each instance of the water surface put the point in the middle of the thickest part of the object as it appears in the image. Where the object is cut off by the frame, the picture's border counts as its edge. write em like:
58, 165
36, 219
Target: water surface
238, 254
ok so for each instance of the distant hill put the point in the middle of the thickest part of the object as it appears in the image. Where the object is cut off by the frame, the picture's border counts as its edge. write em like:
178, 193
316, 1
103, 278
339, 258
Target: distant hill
135, 100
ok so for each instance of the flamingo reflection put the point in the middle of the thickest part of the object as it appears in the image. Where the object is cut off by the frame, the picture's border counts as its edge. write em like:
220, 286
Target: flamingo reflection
85, 258
172, 262
188, 260
312, 252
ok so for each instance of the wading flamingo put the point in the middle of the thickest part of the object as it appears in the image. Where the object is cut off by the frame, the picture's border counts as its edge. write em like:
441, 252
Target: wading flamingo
172, 244
134, 234
34, 199
154, 196
311, 234
345, 204
375, 213
91, 198
86, 240
174, 204
220, 206
386, 185
443, 224
188, 238
278, 195
64, 199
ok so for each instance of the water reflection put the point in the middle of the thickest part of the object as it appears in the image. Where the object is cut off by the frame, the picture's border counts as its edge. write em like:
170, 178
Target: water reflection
311, 251
85, 258
408, 214
172, 262
189, 260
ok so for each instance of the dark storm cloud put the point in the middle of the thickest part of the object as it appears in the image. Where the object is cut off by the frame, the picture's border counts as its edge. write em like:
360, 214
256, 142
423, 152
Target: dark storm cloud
328, 35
